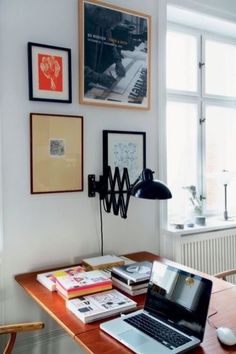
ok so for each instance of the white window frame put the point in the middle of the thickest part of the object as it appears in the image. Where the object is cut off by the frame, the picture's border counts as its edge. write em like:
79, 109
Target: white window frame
200, 97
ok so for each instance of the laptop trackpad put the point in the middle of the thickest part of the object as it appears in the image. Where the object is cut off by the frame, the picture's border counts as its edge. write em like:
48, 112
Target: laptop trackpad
132, 337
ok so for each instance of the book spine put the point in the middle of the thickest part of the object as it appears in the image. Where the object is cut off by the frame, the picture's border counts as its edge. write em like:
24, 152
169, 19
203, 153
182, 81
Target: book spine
132, 287
102, 266
96, 289
48, 284
129, 278
127, 281
84, 287
132, 292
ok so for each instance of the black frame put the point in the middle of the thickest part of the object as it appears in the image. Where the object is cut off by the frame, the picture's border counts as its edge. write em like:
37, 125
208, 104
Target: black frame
107, 161
31, 74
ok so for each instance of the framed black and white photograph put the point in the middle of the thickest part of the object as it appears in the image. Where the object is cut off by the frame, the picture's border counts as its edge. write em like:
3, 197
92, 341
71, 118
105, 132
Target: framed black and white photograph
114, 56
124, 149
49, 70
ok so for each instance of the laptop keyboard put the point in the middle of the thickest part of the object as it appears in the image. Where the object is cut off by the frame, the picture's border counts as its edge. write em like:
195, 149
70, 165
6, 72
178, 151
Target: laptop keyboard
157, 330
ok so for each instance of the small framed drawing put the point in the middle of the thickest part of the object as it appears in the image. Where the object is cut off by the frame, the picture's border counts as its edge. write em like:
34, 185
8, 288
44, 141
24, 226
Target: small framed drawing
125, 149
49, 70
56, 153
115, 54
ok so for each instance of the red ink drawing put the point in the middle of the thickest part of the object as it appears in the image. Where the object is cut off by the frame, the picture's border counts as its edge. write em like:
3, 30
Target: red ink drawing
50, 72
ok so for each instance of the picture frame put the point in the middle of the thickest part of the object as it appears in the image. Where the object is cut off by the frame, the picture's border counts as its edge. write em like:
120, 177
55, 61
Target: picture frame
49, 71
56, 153
124, 149
115, 61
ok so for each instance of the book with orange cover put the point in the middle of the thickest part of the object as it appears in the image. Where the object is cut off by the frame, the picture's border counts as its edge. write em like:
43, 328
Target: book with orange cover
78, 284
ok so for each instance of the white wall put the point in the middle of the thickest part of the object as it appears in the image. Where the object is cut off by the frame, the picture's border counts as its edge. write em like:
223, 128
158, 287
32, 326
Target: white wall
54, 229
46, 230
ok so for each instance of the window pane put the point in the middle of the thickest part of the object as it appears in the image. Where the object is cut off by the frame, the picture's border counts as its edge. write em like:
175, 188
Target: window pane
220, 68
181, 61
220, 155
181, 155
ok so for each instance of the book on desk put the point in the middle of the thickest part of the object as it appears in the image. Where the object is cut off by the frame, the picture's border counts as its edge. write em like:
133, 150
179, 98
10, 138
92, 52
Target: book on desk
135, 272
102, 262
132, 279
133, 290
82, 283
48, 279
94, 307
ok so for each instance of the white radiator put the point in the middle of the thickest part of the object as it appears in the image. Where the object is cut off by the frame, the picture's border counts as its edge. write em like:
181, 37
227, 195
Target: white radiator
210, 252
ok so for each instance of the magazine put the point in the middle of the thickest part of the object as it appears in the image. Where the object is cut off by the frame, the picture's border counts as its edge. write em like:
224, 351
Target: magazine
48, 279
135, 272
100, 305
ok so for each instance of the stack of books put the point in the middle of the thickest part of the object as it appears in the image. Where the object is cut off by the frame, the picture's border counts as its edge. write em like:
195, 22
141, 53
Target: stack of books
94, 307
48, 279
133, 278
82, 283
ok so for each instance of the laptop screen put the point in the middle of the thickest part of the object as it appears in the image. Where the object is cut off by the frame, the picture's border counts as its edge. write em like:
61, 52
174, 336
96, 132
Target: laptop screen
179, 297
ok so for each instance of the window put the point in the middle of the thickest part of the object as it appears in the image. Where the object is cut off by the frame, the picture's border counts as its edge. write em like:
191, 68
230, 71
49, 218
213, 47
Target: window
182, 68
182, 137
220, 59
201, 120
220, 155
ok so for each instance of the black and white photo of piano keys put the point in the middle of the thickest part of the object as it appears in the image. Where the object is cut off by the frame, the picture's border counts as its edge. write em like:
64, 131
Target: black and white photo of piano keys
139, 90
132, 88
124, 89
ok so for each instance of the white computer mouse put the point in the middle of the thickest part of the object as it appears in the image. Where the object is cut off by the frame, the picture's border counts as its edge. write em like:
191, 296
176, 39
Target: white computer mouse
226, 336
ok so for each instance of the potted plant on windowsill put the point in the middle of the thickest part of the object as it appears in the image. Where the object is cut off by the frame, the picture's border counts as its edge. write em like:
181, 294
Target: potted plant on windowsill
196, 203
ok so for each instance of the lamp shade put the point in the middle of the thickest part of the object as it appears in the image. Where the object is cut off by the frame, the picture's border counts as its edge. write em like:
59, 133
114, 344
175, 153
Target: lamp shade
225, 177
146, 187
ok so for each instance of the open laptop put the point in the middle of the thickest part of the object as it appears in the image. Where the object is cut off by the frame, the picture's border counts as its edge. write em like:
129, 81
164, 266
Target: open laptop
174, 315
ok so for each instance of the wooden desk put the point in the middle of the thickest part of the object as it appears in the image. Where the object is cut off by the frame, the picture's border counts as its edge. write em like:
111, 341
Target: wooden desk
90, 336
98, 342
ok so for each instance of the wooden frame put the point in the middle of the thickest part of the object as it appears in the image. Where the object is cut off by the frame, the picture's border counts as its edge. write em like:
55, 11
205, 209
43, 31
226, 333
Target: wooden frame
49, 70
124, 149
56, 151
114, 41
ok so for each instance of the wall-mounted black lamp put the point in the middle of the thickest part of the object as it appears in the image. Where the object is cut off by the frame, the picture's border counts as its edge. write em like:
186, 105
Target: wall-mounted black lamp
115, 190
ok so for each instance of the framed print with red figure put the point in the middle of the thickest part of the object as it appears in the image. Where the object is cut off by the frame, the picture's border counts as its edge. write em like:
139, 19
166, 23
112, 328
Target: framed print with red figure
49, 73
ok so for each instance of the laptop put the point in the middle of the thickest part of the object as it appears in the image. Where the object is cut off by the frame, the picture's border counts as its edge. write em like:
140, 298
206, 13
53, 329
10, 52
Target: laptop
174, 316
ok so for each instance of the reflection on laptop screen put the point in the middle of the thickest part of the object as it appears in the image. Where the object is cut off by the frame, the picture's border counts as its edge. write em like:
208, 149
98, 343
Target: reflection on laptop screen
179, 297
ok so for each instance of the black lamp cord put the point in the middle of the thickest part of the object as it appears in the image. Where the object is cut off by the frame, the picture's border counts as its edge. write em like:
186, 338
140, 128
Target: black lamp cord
101, 226
210, 322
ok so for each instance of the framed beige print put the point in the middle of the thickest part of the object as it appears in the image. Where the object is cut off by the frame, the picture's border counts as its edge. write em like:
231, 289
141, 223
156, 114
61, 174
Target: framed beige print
56, 153
114, 56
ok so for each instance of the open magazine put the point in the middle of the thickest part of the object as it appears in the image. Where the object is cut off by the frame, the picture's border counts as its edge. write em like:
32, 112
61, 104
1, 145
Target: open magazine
90, 308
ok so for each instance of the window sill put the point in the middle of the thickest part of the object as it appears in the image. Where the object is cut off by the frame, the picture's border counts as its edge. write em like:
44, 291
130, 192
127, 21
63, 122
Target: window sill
212, 224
